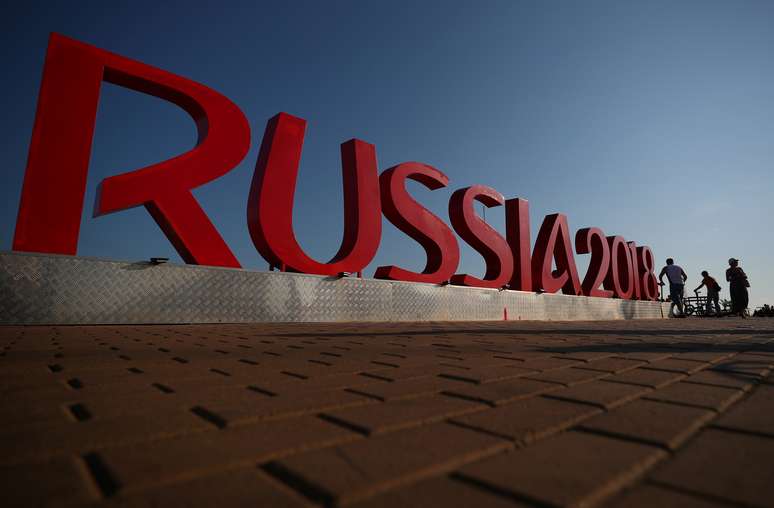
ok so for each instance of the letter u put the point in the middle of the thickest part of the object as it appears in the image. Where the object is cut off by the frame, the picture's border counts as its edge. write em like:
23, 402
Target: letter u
270, 206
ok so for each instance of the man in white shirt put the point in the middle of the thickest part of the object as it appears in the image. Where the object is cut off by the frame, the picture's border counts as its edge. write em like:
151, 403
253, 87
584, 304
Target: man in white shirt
677, 277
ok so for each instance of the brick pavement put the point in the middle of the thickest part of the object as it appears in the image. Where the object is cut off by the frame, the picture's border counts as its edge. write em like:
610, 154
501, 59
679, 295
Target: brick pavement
636, 413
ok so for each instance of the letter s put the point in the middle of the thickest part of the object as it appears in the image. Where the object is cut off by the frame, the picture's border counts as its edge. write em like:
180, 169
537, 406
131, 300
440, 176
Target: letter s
481, 236
443, 253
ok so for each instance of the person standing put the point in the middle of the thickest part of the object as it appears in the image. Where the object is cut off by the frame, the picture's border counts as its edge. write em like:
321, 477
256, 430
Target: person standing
677, 277
739, 284
713, 292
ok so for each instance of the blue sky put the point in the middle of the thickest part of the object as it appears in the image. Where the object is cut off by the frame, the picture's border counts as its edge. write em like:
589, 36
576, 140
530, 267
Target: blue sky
652, 120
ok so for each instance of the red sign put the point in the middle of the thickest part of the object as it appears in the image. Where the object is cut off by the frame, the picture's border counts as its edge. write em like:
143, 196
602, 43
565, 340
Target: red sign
55, 184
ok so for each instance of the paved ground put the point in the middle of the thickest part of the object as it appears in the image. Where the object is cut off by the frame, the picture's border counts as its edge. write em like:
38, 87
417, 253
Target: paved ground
646, 413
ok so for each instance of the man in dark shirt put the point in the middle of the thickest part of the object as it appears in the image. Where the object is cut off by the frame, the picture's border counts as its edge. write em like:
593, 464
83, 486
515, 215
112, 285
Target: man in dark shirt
713, 292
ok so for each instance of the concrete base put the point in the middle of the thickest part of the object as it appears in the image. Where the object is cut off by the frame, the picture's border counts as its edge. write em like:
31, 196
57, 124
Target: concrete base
51, 289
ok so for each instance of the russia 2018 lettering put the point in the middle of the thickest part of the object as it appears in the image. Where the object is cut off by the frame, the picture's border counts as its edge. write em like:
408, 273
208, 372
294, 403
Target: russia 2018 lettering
55, 180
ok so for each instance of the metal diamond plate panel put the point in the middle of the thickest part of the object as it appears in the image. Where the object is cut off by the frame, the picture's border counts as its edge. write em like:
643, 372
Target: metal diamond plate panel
50, 289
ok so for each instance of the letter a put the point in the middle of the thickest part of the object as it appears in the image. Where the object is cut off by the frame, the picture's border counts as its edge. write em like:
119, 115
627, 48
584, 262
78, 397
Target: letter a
553, 243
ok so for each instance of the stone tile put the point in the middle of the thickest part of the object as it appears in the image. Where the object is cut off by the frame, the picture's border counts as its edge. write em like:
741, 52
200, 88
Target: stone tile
405, 388
651, 422
149, 400
646, 377
692, 394
750, 366
241, 488
160, 462
613, 365
360, 469
129, 383
401, 373
567, 377
705, 356
399, 414
250, 407
487, 373
22, 411
440, 491
588, 356
726, 379
725, 465
501, 392
765, 350
599, 393
528, 420
37, 442
648, 496
753, 414
757, 357
61, 481
548, 363
678, 365
290, 385
645, 355
573, 469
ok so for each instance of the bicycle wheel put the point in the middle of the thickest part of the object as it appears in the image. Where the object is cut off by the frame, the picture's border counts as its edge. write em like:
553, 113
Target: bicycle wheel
689, 310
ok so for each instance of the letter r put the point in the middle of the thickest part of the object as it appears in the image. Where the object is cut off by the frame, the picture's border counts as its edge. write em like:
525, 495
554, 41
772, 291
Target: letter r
55, 180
